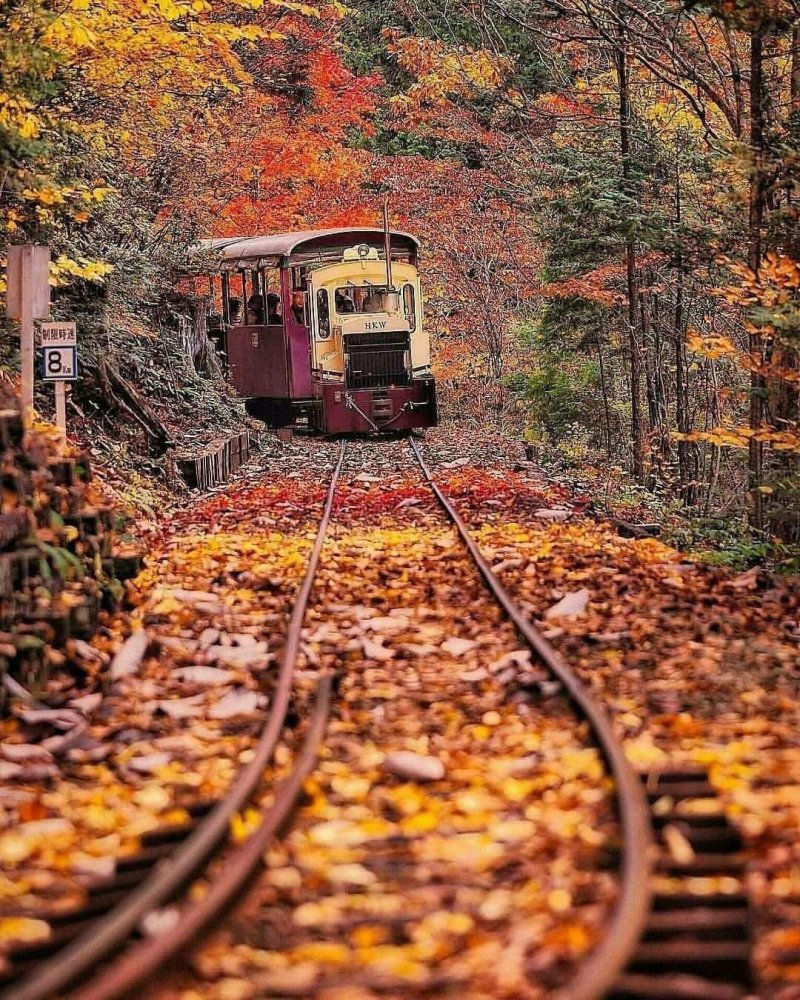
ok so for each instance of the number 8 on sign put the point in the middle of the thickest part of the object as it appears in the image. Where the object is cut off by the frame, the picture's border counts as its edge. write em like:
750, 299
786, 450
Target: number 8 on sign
59, 364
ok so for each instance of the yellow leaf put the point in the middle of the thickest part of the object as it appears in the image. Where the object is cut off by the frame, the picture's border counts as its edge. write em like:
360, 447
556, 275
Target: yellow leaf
678, 846
168, 606
23, 930
421, 823
325, 952
243, 824
352, 874
353, 788
559, 900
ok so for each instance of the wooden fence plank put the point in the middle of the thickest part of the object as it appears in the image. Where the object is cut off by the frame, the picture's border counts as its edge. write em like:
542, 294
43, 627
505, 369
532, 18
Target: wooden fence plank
216, 463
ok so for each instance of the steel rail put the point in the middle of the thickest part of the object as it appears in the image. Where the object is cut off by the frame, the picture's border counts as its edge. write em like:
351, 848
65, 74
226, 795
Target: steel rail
599, 972
169, 876
144, 959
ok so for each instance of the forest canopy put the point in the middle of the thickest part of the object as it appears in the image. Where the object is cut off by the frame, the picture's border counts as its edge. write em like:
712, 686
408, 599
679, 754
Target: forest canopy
607, 195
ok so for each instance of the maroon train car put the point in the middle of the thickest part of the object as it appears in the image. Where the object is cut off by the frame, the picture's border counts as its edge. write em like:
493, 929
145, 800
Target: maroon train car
324, 328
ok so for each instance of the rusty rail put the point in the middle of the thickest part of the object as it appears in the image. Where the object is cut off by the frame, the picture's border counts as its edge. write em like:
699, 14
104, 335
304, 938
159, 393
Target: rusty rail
143, 960
74, 962
599, 972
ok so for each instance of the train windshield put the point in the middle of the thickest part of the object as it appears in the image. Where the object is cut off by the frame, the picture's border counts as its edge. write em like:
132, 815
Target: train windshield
363, 299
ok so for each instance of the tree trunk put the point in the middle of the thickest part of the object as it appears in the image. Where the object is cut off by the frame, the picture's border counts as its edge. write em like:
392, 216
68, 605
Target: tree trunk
637, 423
687, 450
649, 359
200, 346
785, 395
716, 451
604, 391
756, 222
120, 392
786, 404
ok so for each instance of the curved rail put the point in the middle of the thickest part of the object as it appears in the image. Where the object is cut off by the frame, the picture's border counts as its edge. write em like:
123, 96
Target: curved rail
172, 874
597, 975
143, 960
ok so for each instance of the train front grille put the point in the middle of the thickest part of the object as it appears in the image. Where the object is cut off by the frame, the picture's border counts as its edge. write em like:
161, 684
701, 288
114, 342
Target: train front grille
378, 360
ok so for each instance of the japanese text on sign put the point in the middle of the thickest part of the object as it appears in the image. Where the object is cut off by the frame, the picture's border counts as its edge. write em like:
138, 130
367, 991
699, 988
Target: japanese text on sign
57, 334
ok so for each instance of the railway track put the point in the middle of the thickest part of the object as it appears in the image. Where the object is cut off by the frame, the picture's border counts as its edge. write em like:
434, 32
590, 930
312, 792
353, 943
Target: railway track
152, 885
161, 870
599, 973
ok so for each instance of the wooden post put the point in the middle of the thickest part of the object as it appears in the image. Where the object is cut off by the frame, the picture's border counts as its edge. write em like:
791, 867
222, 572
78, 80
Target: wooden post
61, 407
28, 299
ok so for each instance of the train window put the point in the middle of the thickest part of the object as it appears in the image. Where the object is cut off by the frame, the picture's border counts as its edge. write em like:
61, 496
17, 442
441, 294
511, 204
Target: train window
225, 290
299, 308
323, 314
271, 277
255, 310
409, 306
361, 298
238, 317
344, 301
233, 297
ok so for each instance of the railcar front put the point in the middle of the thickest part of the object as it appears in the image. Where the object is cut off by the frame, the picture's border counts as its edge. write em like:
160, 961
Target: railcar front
371, 357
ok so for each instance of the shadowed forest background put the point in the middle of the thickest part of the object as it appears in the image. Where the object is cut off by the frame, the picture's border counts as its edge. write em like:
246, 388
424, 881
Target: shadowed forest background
606, 193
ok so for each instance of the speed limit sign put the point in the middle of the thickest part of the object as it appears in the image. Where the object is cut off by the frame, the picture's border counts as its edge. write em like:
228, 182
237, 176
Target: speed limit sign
59, 364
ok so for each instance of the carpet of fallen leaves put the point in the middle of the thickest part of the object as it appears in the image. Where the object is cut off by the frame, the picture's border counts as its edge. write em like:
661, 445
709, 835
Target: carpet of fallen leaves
150, 719
699, 666
470, 866
481, 881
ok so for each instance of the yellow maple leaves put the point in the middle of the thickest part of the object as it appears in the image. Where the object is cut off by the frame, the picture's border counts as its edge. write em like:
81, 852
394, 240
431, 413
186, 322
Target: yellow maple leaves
726, 436
118, 41
712, 347
770, 302
64, 268
442, 71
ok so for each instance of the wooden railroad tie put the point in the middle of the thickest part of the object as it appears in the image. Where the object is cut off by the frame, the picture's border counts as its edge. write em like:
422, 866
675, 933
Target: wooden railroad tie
697, 945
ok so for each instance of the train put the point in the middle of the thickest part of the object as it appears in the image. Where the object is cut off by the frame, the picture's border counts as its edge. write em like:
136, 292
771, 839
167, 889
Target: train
324, 329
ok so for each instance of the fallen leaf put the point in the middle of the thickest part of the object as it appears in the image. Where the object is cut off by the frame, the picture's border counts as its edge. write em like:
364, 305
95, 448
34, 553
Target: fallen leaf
23, 930
375, 651
677, 844
150, 762
212, 676
236, 702
414, 766
183, 708
158, 922
130, 655
571, 604
24, 752
458, 647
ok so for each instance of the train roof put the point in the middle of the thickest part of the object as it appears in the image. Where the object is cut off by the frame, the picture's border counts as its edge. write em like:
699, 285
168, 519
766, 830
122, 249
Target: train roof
307, 245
